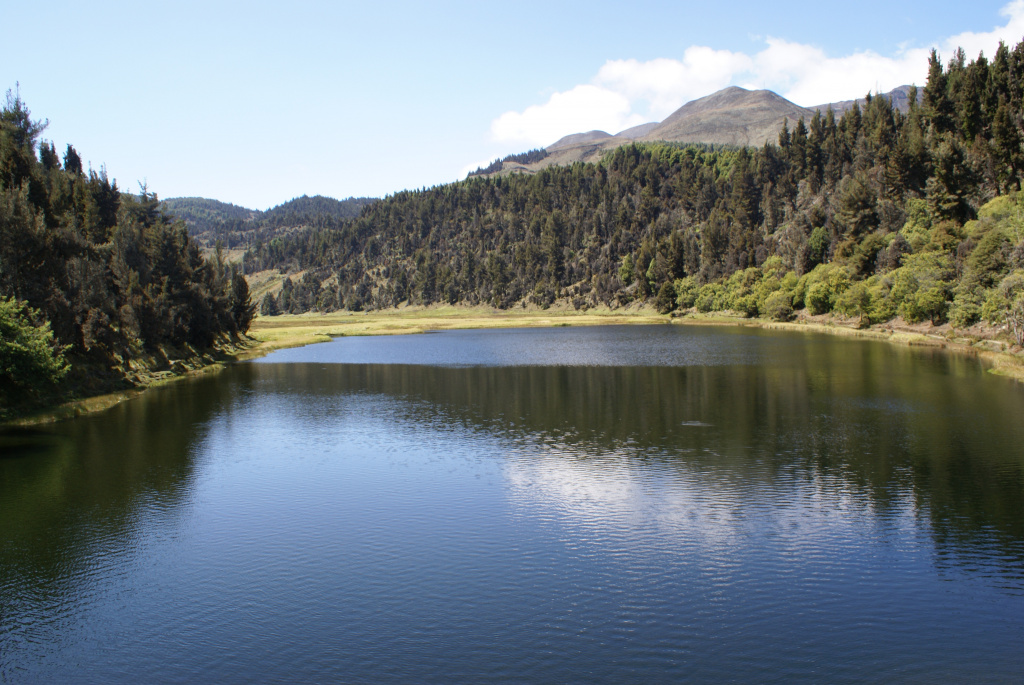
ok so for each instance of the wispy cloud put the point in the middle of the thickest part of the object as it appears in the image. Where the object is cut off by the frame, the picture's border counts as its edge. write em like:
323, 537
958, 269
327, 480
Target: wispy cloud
627, 92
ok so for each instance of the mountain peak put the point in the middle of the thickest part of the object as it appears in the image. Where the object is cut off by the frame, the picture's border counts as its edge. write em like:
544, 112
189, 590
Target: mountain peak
733, 116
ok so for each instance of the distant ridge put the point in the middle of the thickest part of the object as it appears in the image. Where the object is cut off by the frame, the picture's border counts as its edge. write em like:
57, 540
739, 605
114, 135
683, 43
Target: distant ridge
638, 131
203, 215
318, 205
899, 97
578, 139
208, 220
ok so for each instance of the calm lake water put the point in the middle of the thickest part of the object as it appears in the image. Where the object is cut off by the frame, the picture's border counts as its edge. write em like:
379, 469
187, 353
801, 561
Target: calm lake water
620, 504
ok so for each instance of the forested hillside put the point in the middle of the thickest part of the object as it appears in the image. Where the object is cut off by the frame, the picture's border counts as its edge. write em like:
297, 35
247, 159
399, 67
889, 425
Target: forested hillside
210, 221
95, 285
205, 218
875, 214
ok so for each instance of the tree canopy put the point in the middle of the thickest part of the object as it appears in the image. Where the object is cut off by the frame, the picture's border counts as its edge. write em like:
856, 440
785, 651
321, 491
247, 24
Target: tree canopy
94, 281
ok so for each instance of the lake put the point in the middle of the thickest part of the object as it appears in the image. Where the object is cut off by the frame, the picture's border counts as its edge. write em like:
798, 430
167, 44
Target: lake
612, 504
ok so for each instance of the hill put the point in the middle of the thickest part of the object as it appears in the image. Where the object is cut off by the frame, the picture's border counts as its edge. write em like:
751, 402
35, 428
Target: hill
211, 220
637, 132
318, 205
203, 216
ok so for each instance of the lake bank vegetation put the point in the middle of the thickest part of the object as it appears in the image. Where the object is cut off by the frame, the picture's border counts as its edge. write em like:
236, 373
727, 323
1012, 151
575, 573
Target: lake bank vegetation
100, 290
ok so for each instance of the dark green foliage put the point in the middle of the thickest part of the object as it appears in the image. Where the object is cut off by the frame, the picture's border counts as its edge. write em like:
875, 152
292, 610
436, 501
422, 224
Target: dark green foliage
989, 259
870, 216
242, 307
210, 221
305, 209
72, 162
666, 300
109, 274
818, 246
269, 306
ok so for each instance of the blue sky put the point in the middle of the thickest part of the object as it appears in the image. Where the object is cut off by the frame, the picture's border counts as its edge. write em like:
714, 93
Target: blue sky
255, 103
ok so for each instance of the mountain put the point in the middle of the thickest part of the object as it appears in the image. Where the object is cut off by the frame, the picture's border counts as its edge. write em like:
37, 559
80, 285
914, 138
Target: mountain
732, 116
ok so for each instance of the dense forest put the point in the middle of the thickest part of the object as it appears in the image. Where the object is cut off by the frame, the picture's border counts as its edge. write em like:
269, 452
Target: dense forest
210, 221
96, 285
205, 219
874, 214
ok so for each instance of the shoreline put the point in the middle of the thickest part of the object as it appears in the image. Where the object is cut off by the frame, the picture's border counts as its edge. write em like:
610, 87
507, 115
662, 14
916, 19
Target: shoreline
213, 361
298, 330
999, 362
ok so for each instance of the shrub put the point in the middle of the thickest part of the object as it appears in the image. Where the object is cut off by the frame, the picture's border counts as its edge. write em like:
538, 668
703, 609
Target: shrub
710, 298
1005, 305
833, 280
921, 287
779, 306
855, 301
929, 303
686, 292
966, 308
818, 299
745, 304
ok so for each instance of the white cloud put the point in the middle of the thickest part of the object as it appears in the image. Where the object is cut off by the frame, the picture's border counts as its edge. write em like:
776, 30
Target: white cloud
584, 108
665, 84
805, 75
986, 42
627, 92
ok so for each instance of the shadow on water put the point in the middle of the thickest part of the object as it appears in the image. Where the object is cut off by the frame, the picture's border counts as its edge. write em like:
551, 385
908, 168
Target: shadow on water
19, 443
69, 491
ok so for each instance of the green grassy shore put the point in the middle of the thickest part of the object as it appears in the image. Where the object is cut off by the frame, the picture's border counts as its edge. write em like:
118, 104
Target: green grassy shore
272, 333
